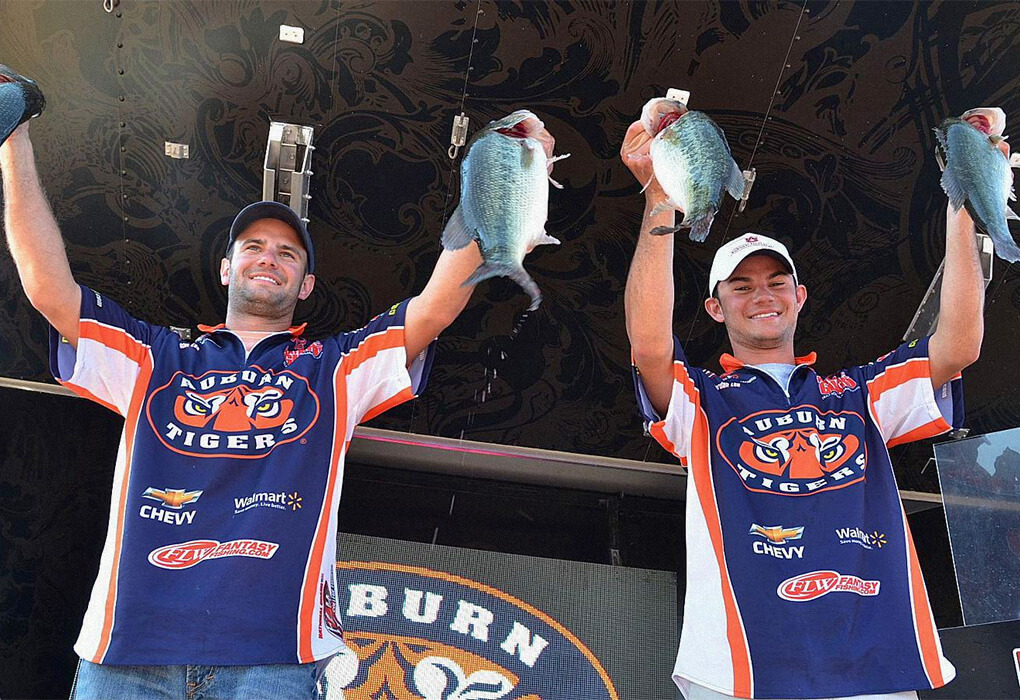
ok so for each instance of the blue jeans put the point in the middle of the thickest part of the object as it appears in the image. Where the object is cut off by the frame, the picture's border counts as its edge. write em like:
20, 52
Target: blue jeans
271, 681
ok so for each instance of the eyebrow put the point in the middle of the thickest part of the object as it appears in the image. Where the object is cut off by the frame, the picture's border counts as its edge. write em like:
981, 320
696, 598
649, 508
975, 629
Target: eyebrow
262, 241
777, 273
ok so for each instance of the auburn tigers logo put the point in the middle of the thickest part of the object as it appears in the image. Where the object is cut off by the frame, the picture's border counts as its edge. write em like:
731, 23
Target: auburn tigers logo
236, 414
797, 451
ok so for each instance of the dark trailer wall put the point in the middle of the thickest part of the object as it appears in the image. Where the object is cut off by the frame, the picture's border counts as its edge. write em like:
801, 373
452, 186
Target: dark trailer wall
831, 102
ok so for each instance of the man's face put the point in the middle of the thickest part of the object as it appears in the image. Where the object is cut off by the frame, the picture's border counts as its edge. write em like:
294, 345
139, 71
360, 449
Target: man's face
265, 274
759, 303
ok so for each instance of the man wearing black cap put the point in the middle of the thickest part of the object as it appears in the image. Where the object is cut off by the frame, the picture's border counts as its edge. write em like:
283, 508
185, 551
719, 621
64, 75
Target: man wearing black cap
218, 573
801, 576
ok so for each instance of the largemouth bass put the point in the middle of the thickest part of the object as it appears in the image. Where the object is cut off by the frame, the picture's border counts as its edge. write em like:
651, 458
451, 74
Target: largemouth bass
504, 200
692, 162
977, 175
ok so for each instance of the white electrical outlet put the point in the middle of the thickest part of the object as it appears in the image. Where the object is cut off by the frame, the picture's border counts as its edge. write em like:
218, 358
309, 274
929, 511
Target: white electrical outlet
295, 35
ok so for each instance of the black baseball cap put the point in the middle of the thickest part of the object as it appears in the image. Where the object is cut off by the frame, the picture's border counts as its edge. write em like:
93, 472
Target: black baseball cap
273, 210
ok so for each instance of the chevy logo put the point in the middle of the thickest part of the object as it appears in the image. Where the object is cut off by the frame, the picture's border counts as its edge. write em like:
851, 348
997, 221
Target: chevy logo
172, 498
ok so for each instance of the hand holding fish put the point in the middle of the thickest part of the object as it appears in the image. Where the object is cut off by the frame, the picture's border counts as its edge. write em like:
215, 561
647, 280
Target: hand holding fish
634, 153
504, 204
977, 174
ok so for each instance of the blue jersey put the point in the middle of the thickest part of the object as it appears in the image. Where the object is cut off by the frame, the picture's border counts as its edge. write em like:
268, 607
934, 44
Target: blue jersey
802, 579
221, 547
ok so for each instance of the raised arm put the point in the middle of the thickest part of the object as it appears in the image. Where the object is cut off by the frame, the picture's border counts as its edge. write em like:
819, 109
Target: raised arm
648, 299
956, 342
442, 300
34, 238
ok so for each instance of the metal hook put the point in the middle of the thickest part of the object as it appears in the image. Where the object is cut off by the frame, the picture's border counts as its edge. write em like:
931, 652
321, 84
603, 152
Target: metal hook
459, 134
749, 176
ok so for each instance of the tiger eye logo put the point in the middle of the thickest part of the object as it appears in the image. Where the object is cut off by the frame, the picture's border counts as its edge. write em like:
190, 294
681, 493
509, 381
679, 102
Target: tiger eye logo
413, 633
243, 414
795, 452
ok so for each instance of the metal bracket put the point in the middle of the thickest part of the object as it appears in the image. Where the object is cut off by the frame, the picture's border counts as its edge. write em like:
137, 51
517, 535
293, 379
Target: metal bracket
681, 96
458, 136
287, 169
927, 316
749, 176
175, 150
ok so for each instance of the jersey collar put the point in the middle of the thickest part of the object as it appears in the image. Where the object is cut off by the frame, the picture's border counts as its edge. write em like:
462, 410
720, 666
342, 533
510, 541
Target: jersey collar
293, 330
730, 363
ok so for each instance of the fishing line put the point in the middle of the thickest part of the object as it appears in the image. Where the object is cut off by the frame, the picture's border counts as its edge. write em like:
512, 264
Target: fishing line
750, 163
453, 163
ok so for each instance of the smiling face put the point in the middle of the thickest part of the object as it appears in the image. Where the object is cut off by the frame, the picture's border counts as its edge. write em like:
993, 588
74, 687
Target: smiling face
265, 274
759, 304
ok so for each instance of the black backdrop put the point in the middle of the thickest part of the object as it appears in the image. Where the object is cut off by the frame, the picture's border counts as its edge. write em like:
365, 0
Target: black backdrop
832, 102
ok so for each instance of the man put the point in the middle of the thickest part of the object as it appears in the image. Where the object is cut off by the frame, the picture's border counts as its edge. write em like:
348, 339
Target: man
802, 580
218, 571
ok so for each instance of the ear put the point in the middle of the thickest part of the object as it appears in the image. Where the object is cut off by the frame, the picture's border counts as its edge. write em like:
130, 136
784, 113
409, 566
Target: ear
307, 285
801, 296
225, 271
714, 309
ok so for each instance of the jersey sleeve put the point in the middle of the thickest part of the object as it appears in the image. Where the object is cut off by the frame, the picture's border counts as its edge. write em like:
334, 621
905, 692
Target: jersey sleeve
901, 398
374, 366
673, 431
114, 353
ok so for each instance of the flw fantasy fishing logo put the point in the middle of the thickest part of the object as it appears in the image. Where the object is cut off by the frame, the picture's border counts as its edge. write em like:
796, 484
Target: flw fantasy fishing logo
242, 414
415, 633
795, 452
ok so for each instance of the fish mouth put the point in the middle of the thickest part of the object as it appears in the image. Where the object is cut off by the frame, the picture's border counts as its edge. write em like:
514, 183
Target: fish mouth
990, 121
659, 112
523, 124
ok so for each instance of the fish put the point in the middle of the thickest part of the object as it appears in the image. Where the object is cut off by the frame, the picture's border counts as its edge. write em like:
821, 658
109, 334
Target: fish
977, 175
20, 100
504, 202
693, 163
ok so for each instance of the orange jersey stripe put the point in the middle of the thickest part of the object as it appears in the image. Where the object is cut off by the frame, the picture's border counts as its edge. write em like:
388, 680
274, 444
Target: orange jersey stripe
935, 427
86, 394
368, 349
923, 621
130, 426
897, 375
115, 339
701, 468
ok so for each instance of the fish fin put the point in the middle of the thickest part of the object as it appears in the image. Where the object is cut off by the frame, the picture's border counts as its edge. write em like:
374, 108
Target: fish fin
661, 207
1005, 246
456, 234
736, 184
1010, 214
951, 184
516, 272
545, 239
531, 147
663, 230
648, 183
700, 226
554, 183
562, 156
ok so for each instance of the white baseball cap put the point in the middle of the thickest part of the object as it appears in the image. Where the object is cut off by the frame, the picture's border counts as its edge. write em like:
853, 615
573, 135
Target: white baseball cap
732, 253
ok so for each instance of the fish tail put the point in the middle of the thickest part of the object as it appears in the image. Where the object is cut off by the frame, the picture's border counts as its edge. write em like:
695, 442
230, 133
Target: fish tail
735, 185
700, 226
516, 272
663, 230
1005, 246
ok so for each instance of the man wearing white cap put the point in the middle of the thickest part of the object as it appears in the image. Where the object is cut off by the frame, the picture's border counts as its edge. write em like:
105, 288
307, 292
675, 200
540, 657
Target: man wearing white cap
801, 576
